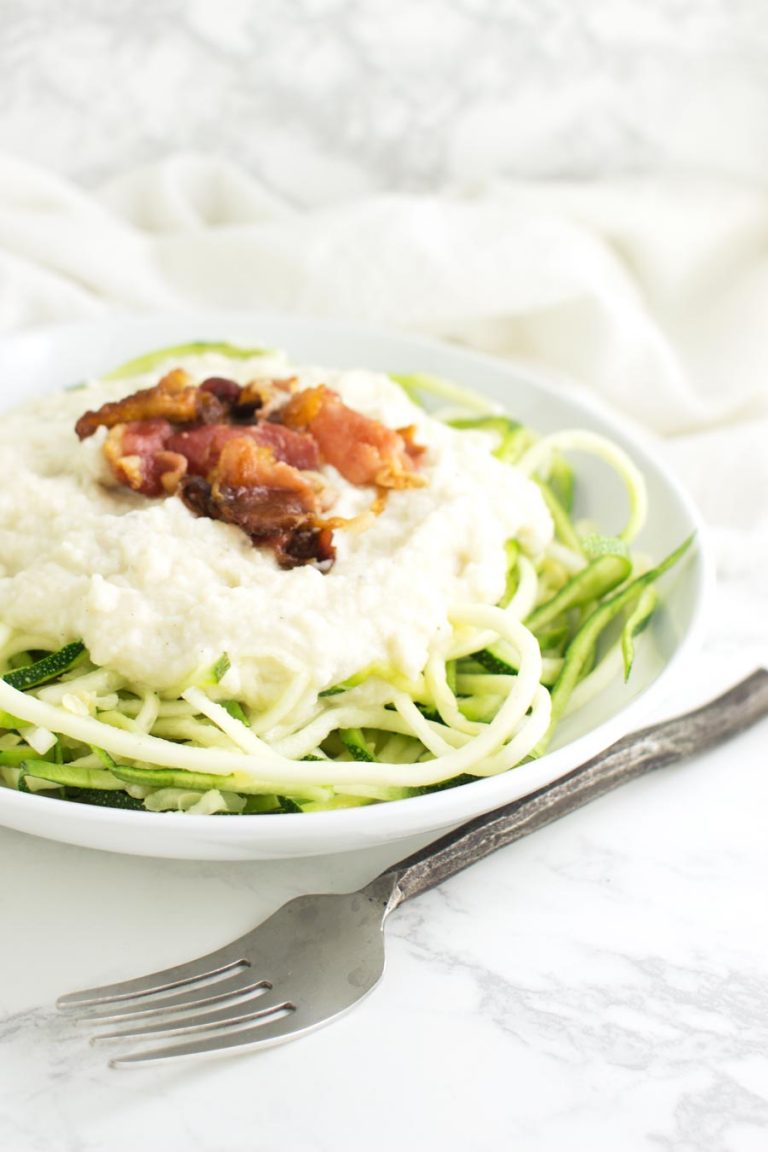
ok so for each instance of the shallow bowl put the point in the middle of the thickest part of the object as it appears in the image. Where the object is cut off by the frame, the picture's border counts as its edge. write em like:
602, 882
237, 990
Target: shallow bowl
39, 361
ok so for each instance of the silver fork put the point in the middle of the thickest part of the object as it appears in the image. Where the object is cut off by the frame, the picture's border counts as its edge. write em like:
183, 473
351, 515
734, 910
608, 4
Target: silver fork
318, 955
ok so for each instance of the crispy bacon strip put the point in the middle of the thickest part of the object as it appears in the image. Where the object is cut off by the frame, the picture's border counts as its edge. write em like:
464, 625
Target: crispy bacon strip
262, 493
292, 548
174, 398
273, 502
363, 450
203, 446
140, 459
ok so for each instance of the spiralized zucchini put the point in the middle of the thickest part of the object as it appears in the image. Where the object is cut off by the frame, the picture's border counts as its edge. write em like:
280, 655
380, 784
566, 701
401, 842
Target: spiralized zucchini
486, 701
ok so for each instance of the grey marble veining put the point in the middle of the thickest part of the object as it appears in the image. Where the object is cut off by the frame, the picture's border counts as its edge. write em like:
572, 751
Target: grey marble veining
329, 99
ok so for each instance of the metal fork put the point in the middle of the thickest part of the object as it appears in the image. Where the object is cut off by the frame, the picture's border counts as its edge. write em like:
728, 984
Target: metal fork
318, 955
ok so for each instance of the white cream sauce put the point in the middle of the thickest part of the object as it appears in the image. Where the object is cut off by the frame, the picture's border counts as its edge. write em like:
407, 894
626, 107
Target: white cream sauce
157, 594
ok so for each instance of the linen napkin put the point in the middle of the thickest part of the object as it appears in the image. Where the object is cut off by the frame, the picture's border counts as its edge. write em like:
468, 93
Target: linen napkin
653, 294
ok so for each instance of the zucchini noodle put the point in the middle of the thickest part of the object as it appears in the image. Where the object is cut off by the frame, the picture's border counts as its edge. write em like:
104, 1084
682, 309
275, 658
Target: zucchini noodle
487, 699
268, 771
582, 441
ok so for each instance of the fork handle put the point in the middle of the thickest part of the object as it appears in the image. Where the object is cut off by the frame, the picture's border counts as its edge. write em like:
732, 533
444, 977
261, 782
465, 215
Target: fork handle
640, 752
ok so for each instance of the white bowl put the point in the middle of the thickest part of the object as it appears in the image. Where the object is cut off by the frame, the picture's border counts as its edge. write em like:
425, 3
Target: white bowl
36, 362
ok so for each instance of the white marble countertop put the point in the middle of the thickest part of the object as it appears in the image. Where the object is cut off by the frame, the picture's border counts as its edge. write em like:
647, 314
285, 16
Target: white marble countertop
326, 100
602, 984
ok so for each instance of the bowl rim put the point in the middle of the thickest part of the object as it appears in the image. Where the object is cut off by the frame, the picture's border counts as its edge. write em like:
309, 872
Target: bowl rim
446, 804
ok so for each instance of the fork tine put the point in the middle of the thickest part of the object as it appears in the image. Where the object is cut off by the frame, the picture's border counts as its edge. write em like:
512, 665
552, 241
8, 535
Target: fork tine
262, 1036
194, 996
212, 964
239, 1013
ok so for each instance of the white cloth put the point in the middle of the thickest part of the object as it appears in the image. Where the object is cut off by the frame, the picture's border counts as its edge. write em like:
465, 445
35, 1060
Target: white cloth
654, 295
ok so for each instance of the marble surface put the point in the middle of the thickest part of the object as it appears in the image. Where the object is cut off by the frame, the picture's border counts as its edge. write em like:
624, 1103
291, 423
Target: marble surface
602, 984
333, 99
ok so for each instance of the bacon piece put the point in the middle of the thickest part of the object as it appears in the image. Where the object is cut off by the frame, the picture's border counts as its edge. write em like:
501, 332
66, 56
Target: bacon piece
203, 446
138, 455
174, 398
304, 407
253, 490
224, 389
292, 547
271, 495
304, 546
296, 448
363, 450
195, 491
